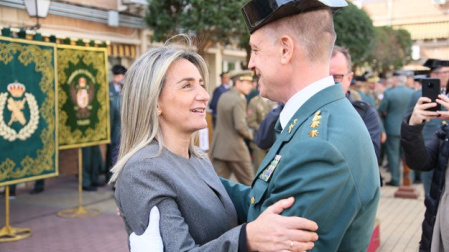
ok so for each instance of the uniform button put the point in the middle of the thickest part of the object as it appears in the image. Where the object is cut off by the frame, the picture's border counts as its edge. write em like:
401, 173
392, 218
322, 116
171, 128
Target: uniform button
252, 200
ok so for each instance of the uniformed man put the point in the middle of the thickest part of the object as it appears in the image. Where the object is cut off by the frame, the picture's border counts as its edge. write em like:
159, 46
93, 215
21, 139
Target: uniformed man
224, 86
258, 108
115, 98
320, 155
340, 69
371, 83
393, 108
229, 152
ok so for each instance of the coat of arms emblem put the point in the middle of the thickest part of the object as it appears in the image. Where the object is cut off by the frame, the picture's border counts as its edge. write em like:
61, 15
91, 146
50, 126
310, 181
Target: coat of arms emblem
82, 94
16, 102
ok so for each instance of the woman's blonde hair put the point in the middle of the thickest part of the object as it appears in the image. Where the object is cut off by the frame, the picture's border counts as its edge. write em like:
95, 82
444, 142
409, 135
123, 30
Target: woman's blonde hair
143, 84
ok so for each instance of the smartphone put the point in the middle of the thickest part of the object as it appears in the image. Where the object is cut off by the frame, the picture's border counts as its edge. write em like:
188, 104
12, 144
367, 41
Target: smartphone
431, 88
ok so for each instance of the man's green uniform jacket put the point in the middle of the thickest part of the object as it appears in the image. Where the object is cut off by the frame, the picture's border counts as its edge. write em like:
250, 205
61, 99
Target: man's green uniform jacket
325, 159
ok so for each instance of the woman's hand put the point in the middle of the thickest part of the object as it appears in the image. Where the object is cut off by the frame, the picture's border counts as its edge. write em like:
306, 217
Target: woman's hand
273, 232
444, 101
421, 113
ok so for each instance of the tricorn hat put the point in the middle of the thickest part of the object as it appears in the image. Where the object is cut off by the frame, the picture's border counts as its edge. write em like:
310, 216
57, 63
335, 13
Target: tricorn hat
434, 64
258, 13
118, 69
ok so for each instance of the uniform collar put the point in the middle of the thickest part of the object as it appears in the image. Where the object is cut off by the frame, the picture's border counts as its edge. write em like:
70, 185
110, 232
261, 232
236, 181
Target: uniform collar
298, 99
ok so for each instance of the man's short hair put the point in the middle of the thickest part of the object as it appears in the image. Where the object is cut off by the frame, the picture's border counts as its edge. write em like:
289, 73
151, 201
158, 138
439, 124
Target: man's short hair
345, 52
314, 30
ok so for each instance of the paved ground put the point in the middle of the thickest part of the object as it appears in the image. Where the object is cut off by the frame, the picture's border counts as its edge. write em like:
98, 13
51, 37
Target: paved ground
400, 220
51, 233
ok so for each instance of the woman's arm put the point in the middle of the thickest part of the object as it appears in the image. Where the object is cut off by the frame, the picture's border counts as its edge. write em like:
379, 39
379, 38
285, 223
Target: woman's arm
419, 155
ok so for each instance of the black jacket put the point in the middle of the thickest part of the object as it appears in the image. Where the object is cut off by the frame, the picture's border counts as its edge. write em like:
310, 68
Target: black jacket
422, 156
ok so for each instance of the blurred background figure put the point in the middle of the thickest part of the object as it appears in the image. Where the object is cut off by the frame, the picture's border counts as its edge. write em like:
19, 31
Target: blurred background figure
92, 165
229, 151
224, 86
438, 69
372, 90
115, 99
258, 108
392, 109
341, 70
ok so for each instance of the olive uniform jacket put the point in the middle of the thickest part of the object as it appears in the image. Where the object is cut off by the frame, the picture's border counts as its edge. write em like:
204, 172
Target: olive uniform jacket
323, 158
231, 129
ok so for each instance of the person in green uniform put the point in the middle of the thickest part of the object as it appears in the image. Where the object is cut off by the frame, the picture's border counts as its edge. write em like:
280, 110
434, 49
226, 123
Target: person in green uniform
323, 155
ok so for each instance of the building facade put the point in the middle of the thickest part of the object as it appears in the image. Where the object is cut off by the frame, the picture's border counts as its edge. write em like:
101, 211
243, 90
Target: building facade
426, 20
118, 23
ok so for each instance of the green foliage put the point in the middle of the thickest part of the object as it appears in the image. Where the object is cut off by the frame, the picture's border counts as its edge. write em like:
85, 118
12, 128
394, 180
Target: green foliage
210, 21
355, 31
392, 49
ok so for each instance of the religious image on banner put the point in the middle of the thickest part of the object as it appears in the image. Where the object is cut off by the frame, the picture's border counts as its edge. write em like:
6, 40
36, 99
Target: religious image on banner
27, 111
83, 96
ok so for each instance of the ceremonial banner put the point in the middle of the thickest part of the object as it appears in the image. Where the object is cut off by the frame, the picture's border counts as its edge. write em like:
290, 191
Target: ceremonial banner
28, 120
83, 100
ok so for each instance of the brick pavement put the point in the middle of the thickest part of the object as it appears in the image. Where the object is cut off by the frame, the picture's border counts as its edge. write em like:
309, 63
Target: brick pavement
51, 233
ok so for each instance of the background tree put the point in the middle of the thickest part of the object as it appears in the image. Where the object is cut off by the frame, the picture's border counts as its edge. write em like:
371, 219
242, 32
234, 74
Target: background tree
212, 21
355, 31
392, 49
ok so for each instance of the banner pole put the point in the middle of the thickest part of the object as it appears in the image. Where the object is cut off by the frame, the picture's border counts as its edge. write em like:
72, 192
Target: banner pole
8, 233
80, 211
80, 178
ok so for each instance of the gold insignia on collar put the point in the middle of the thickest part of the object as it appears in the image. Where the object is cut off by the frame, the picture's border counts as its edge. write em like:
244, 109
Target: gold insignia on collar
315, 124
317, 116
313, 133
443, 123
292, 125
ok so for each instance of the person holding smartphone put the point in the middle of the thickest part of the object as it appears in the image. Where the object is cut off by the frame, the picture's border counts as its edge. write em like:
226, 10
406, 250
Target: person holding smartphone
430, 155
438, 69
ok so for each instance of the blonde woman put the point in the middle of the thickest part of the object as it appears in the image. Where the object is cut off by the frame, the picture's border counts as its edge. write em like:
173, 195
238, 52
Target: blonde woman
164, 105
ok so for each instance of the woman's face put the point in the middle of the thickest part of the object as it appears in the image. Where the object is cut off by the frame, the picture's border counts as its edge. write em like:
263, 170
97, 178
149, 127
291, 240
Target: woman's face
183, 99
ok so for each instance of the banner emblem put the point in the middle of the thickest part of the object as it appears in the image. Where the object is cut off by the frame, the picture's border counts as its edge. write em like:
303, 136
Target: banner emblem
82, 93
15, 110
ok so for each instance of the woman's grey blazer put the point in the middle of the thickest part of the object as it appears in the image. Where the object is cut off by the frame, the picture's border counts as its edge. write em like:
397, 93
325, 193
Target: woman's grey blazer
196, 213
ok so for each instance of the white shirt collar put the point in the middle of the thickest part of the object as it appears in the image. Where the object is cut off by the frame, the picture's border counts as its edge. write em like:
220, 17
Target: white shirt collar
298, 99
117, 87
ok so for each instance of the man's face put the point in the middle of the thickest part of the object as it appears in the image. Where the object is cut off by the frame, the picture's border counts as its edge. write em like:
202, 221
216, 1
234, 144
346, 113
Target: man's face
244, 87
443, 74
118, 78
339, 70
264, 62
225, 80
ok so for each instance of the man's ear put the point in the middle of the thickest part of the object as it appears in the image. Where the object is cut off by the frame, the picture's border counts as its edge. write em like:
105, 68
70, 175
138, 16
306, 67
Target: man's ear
350, 76
286, 49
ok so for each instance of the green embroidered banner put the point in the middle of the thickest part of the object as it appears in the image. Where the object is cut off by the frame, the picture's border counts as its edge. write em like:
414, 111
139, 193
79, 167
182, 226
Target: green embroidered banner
83, 98
28, 121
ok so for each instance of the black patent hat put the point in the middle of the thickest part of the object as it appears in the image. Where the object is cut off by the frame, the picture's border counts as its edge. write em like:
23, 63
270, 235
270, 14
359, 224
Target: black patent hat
434, 64
258, 13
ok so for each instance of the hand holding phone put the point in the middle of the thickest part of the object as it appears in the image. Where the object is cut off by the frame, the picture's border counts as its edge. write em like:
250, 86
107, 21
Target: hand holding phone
431, 89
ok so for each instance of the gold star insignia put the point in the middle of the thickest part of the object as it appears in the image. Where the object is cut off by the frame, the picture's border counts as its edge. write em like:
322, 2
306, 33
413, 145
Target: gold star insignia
315, 124
313, 133
443, 123
317, 116
292, 125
